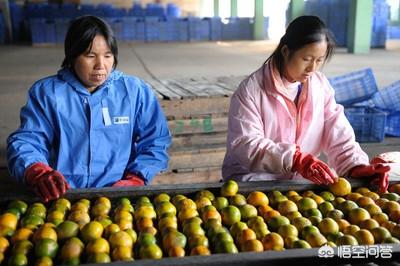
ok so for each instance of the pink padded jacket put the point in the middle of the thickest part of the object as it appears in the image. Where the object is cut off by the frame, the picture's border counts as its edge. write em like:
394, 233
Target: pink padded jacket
265, 126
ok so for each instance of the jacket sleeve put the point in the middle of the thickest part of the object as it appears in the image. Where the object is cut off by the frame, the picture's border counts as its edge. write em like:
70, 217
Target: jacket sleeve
31, 142
247, 142
339, 142
151, 138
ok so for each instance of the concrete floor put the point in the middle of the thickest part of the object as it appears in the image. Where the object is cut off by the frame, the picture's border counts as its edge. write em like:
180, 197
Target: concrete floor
20, 66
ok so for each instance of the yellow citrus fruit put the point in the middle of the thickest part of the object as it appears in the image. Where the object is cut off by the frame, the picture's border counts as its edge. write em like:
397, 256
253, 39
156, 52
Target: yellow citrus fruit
347, 240
9, 220
301, 222
328, 226
72, 248
273, 241
287, 206
380, 234
44, 232
44, 261
229, 188
198, 240
150, 252
99, 245
162, 197
252, 245
122, 253
176, 252
230, 215
288, 230
357, 215
120, 238
271, 214
200, 250
4, 244
341, 187
301, 244
92, 231
316, 239
174, 239
23, 247
306, 203
110, 229
99, 258
244, 235
257, 198
364, 237
369, 224
46, 248
21, 234
18, 259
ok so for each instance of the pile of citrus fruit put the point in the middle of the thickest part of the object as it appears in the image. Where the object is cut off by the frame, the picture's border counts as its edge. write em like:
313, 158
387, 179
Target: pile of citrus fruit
101, 231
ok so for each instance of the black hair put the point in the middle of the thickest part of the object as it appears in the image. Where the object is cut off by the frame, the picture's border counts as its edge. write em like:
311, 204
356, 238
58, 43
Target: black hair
80, 35
302, 31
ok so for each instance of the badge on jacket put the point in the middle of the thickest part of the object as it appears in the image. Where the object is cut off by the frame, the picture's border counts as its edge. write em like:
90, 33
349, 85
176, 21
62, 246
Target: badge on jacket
121, 120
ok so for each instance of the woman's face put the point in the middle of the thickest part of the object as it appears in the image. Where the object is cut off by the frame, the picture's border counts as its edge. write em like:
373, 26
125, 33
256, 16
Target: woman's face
304, 62
95, 65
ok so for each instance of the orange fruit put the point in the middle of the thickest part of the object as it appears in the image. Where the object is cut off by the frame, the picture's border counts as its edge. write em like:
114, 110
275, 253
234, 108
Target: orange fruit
244, 235
335, 214
351, 229
120, 238
186, 214
252, 245
99, 245
369, 224
204, 194
211, 214
309, 229
200, 250
301, 244
288, 230
380, 217
4, 244
347, 206
46, 248
110, 229
257, 198
174, 239
287, 206
191, 229
92, 231
364, 201
357, 215
122, 253
316, 239
247, 211
293, 215
237, 200
9, 220
99, 210
276, 222
198, 240
230, 215
301, 222
342, 224
166, 207
18, 259
226, 247
220, 202
175, 199
229, 188
44, 232
44, 261
372, 195
150, 252
145, 239
72, 248
236, 228
395, 188
202, 202
168, 222
341, 187
99, 258
273, 241
176, 252
144, 222
380, 234
264, 209
162, 197
306, 204
354, 196
145, 211
325, 207
21, 234
347, 240
328, 226
364, 237
271, 214
22, 247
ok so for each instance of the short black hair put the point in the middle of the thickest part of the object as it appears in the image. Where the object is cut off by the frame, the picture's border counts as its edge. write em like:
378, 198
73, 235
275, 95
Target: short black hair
302, 31
80, 35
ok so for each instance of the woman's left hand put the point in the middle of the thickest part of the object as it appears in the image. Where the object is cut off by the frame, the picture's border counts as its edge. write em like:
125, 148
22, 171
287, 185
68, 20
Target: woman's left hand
378, 172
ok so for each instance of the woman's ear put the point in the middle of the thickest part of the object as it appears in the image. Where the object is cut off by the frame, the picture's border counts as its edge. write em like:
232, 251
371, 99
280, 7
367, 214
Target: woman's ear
285, 51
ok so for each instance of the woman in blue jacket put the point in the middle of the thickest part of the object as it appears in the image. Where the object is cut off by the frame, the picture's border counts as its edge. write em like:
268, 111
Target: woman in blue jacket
89, 125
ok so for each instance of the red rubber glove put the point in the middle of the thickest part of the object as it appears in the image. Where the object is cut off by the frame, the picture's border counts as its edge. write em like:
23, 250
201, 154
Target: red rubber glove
129, 180
47, 183
312, 168
378, 172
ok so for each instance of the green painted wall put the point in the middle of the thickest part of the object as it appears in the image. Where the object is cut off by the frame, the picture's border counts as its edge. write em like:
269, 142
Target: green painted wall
296, 9
258, 30
216, 8
234, 8
359, 26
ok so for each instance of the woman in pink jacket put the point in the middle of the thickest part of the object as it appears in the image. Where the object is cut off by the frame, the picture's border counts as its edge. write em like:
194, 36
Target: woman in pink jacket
284, 115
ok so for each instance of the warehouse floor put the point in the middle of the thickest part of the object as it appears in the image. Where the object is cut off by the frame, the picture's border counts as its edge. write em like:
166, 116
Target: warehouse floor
21, 65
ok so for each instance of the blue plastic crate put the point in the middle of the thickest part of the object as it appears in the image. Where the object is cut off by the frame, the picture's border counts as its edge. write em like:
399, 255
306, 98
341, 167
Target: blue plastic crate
368, 123
61, 25
215, 28
128, 28
354, 87
2, 29
388, 98
393, 124
140, 30
43, 31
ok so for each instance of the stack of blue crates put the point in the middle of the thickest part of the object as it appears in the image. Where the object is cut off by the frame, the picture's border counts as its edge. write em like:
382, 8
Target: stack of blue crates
48, 23
393, 32
2, 29
335, 14
356, 87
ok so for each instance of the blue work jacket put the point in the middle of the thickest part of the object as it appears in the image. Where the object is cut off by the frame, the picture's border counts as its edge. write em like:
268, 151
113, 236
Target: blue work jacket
92, 139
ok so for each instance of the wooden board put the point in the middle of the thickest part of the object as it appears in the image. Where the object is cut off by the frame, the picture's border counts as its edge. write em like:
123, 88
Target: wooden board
205, 124
175, 109
197, 142
200, 175
196, 159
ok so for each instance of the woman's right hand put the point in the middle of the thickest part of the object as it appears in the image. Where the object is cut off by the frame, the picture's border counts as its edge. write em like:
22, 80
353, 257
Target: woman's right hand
313, 169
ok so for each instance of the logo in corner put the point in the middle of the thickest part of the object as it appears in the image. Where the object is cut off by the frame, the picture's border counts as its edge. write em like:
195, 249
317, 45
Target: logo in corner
326, 252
